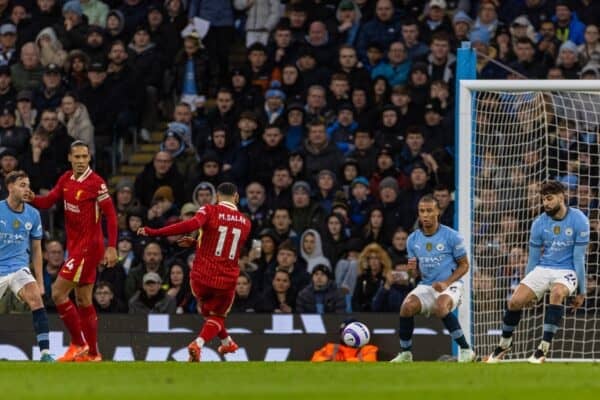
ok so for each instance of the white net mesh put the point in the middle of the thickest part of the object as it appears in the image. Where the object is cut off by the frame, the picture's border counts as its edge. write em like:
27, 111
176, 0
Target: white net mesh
520, 140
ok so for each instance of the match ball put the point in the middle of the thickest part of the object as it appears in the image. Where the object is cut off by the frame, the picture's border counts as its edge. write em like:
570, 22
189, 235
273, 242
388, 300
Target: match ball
356, 334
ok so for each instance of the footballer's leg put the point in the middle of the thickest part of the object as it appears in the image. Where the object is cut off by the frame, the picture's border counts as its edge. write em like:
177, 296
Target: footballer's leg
227, 343
552, 318
443, 310
410, 307
70, 317
89, 321
30, 294
522, 296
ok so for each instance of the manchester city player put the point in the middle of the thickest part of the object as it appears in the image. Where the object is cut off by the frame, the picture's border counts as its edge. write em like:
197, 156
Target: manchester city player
442, 261
559, 238
20, 240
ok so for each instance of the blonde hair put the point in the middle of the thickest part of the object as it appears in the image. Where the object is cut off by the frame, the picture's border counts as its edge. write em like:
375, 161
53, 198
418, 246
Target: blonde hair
382, 255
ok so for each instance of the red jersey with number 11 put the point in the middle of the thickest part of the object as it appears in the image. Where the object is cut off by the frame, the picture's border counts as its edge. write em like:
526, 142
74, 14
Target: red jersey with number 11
223, 232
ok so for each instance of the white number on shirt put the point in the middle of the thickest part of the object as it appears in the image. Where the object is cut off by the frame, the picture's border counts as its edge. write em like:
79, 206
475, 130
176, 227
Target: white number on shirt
234, 243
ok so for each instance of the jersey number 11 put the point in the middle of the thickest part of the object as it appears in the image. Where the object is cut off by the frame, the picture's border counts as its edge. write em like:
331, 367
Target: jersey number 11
234, 243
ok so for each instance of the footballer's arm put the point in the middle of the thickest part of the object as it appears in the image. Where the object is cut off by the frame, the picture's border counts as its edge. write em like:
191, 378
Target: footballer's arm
462, 267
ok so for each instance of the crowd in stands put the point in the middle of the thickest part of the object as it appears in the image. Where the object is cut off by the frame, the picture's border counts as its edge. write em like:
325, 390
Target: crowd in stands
338, 120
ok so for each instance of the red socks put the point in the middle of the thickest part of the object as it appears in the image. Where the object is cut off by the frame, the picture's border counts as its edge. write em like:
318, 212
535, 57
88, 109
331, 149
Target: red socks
68, 313
212, 327
89, 325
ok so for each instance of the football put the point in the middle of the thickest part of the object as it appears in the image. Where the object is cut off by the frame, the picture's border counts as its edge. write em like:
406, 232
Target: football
356, 334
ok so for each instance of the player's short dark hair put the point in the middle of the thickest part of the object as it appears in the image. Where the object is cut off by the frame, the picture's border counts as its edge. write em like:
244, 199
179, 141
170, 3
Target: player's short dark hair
79, 143
552, 187
428, 198
227, 189
13, 176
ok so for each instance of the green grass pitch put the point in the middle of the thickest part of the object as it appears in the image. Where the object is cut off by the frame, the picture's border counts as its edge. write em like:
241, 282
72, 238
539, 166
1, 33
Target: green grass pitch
298, 380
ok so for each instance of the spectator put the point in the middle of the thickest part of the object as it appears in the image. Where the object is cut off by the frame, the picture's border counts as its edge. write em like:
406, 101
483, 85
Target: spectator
152, 261
373, 229
321, 295
221, 31
319, 42
305, 213
567, 60
116, 276
396, 69
74, 116
174, 143
279, 297
204, 193
95, 45
268, 153
54, 257
8, 40
7, 91
159, 172
487, 17
413, 45
125, 251
10, 135
394, 289
373, 265
397, 251
287, 261
282, 224
348, 16
152, 298
26, 115
71, 31
349, 65
311, 250
27, 74
263, 258
255, 207
461, 24
39, 163
60, 141
442, 195
526, 62
50, 93
193, 81
320, 153
568, 25
115, 26
383, 29
334, 238
176, 14
179, 287
8, 163
480, 40
297, 165
386, 168
105, 300
325, 193
246, 299
96, 11
280, 193
591, 47
346, 271
261, 18
49, 48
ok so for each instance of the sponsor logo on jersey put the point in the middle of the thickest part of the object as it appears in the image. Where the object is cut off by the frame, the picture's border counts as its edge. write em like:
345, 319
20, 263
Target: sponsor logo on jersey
439, 247
428, 246
71, 207
556, 229
569, 232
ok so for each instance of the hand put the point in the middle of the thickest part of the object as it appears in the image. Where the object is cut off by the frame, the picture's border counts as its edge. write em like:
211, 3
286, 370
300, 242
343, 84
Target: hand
577, 302
110, 257
285, 308
439, 286
186, 241
430, 161
345, 26
68, 24
279, 53
142, 231
29, 196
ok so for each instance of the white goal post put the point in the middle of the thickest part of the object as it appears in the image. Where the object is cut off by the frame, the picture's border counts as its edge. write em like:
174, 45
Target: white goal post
513, 134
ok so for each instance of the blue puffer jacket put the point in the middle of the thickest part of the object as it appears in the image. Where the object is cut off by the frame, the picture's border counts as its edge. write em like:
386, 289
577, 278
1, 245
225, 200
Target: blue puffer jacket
218, 12
576, 29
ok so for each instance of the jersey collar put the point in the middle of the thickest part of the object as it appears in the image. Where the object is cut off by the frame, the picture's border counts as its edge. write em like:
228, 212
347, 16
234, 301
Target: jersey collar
228, 205
83, 176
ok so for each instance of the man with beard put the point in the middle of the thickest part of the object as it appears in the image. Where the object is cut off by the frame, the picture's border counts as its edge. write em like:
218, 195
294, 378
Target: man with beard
556, 263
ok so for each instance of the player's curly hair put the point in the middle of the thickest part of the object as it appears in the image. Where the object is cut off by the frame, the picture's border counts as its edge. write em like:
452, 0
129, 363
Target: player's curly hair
552, 187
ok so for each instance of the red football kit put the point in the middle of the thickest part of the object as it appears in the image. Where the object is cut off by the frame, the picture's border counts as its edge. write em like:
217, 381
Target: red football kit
83, 199
223, 232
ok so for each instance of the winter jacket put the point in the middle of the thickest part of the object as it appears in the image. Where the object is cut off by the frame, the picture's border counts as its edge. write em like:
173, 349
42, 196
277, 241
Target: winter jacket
262, 15
53, 52
147, 182
160, 304
329, 157
317, 257
377, 31
79, 126
26, 79
202, 72
217, 12
576, 29
331, 298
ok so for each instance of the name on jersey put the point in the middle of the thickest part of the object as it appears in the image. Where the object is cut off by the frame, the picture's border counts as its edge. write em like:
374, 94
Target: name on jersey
232, 218
71, 207
11, 238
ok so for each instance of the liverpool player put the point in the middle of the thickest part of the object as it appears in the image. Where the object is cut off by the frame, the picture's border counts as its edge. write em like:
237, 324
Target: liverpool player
223, 232
83, 194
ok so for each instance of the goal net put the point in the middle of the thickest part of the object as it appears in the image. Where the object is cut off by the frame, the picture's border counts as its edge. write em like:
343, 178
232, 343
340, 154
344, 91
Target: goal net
513, 136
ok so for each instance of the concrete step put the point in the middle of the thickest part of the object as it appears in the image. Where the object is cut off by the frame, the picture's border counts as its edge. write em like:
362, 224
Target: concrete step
140, 158
148, 148
130, 169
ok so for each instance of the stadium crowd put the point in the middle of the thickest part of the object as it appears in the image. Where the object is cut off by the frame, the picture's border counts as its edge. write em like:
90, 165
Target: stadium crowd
339, 120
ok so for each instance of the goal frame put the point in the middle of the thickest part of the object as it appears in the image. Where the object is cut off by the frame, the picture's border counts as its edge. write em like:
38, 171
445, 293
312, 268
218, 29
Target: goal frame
464, 172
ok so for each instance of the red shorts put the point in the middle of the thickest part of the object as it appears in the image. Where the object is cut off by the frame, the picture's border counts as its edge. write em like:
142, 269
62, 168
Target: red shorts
81, 269
212, 301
